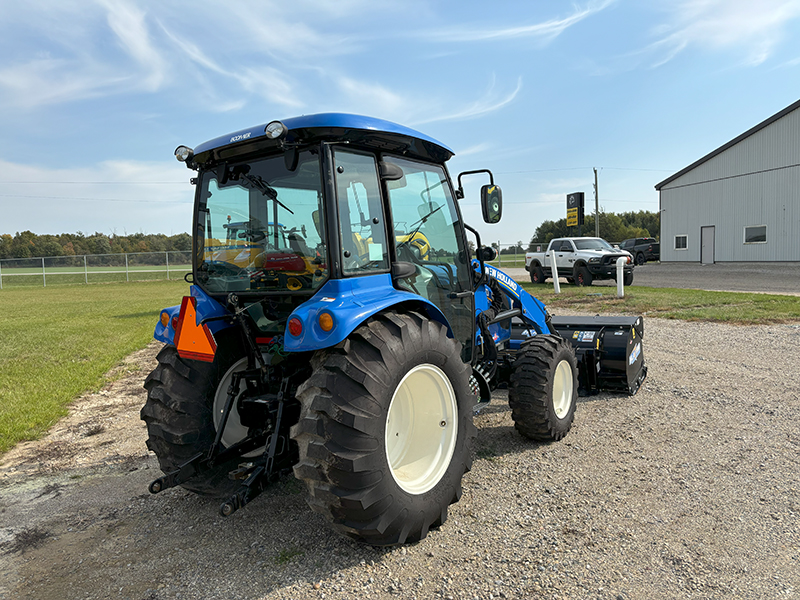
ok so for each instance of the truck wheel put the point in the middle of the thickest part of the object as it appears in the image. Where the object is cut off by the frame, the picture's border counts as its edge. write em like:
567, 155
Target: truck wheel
386, 429
537, 274
543, 389
582, 276
627, 278
179, 412
640, 260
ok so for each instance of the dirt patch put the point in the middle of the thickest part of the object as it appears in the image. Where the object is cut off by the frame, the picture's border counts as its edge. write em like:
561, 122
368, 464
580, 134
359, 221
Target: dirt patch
101, 428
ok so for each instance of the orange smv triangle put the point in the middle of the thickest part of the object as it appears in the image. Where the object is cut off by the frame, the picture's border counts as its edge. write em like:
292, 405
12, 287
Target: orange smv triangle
192, 340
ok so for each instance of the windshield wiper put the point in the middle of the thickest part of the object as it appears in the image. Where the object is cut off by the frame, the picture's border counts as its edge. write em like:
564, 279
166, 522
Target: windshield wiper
421, 223
262, 186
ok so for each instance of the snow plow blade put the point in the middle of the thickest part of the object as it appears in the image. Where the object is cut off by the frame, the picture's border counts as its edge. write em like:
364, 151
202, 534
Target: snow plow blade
609, 352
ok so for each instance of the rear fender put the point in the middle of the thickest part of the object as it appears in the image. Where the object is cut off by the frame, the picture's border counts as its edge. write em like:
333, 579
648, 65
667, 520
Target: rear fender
351, 302
205, 307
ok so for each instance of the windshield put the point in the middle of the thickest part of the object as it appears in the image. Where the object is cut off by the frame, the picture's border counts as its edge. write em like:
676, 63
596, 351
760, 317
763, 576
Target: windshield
260, 227
592, 244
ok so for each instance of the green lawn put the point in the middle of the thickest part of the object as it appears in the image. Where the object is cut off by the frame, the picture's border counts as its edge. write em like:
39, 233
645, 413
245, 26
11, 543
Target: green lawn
59, 341
58, 276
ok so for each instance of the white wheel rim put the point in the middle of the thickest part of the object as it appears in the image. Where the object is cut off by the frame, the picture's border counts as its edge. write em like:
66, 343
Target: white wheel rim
562, 389
421, 429
234, 430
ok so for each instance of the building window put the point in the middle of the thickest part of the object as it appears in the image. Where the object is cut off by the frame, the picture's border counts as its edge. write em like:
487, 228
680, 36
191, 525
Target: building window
680, 242
755, 234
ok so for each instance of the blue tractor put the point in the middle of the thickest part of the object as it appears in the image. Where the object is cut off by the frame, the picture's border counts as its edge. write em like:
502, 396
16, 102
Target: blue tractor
338, 326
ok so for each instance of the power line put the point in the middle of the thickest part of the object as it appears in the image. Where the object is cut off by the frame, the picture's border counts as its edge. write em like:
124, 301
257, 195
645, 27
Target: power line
585, 169
96, 182
94, 199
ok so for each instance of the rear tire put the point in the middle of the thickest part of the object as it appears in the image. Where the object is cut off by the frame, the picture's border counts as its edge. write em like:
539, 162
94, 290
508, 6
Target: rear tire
179, 412
543, 390
386, 429
537, 274
640, 260
582, 276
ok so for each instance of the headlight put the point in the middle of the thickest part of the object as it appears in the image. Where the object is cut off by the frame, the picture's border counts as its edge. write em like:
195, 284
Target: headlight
596, 259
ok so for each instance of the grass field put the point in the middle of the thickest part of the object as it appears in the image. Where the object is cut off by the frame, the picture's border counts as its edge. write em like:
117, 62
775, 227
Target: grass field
59, 341
59, 276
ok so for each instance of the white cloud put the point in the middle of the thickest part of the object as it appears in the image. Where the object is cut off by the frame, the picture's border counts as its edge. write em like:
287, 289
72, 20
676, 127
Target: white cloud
545, 31
490, 102
129, 25
752, 28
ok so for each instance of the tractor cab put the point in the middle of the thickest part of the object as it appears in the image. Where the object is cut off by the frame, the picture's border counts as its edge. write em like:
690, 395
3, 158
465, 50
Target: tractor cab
319, 206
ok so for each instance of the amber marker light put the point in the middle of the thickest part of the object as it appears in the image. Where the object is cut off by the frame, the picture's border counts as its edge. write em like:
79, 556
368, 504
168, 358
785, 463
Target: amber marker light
164, 319
326, 321
295, 326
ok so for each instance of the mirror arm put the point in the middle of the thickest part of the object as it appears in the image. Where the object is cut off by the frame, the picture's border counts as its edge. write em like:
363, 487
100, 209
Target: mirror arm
460, 190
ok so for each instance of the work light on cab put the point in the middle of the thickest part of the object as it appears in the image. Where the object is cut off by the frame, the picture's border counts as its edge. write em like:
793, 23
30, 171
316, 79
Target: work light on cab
183, 153
275, 130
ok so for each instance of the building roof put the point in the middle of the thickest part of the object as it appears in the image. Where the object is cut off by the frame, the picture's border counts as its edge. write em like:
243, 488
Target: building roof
730, 144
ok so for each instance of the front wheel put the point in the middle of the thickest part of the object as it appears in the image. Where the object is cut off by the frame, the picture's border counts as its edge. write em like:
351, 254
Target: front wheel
543, 390
582, 276
386, 429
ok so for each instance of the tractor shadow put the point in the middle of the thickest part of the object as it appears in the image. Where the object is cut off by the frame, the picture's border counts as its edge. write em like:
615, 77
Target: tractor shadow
497, 436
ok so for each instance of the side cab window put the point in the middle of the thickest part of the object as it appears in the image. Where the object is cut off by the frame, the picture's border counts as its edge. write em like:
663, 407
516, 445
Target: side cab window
363, 232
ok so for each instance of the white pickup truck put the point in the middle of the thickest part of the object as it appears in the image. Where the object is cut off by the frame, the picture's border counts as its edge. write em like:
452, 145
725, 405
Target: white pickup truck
580, 259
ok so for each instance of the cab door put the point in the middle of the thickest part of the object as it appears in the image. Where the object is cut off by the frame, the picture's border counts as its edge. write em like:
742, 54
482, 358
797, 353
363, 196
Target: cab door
427, 233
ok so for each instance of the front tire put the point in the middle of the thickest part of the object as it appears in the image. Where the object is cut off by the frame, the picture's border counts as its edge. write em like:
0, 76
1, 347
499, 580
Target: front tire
386, 429
627, 278
582, 276
543, 390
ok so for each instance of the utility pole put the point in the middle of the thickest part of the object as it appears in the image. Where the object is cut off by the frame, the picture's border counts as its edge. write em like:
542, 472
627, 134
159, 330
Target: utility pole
596, 209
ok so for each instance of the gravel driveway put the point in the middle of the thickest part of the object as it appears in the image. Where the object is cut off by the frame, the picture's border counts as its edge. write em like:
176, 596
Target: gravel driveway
775, 278
687, 490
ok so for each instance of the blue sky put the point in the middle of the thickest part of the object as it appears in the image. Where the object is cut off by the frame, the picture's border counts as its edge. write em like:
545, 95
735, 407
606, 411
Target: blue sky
95, 96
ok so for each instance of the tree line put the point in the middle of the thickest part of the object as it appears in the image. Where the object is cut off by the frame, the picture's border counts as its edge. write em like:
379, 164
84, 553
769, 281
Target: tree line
613, 227
27, 244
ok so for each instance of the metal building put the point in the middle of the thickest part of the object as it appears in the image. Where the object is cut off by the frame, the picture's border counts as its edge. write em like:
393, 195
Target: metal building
741, 202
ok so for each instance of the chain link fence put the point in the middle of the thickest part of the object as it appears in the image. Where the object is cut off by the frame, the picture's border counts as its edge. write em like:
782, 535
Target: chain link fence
94, 268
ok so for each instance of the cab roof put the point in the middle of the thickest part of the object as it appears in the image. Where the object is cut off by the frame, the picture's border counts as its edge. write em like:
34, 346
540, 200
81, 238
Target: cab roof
355, 129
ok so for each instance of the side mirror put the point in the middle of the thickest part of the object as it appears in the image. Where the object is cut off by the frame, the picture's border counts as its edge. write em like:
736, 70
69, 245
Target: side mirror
486, 254
491, 203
